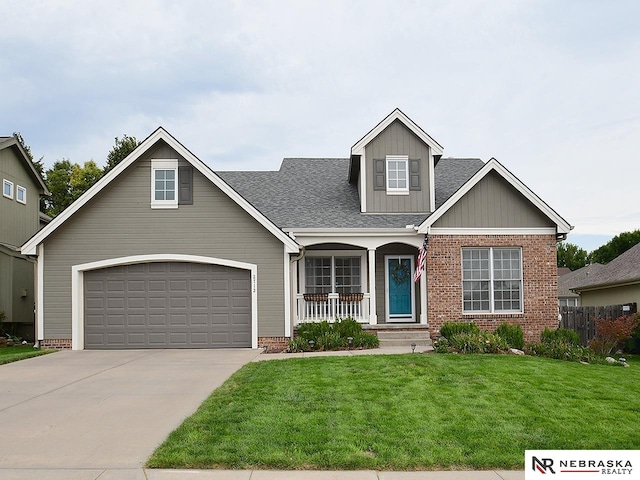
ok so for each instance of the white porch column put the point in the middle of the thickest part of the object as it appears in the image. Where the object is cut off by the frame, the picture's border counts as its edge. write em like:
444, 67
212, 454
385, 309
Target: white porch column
423, 298
373, 317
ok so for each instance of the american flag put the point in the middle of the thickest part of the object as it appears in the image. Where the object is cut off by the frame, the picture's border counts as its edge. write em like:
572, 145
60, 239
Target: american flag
422, 260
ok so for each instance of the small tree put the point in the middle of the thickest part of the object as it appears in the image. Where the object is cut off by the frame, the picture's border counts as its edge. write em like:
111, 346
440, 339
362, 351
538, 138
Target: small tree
611, 333
120, 150
570, 255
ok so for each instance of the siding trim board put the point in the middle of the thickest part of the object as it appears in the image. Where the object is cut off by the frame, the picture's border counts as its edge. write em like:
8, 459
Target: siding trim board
77, 287
30, 247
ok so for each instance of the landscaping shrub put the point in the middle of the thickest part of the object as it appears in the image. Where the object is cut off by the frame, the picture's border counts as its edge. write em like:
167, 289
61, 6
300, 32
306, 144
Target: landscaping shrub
632, 345
610, 334
560, 335
332, 336
365, 340
449, 329
561, 344
512, 334
441, 345
478, 342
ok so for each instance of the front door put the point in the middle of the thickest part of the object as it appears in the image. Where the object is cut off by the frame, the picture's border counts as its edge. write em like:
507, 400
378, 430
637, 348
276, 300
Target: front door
399, 288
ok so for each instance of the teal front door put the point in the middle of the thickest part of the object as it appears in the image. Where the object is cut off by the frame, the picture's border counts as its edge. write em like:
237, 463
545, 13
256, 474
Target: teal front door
399, 283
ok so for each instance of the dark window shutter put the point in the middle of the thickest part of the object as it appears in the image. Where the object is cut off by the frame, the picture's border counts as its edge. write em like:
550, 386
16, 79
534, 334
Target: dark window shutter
414, 174
185, 185
379, 167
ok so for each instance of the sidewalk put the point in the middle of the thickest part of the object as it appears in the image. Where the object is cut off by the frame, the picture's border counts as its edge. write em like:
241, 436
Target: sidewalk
142, 474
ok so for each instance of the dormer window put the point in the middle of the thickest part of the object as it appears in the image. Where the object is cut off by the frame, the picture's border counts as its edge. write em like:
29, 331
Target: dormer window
164, 181
397, 174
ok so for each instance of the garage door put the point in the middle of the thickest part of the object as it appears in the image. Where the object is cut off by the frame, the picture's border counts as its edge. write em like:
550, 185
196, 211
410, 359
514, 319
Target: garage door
167, 305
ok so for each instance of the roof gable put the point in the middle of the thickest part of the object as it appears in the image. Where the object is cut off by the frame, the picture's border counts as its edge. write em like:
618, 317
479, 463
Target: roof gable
562, 226
12, 142
29, 248
397, 114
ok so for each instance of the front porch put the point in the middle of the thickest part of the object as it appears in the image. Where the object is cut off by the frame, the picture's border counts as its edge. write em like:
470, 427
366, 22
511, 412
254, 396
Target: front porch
374, 286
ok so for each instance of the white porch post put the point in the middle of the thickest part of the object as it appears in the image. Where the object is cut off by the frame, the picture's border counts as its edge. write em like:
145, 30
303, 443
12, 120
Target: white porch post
373, 317
423, 298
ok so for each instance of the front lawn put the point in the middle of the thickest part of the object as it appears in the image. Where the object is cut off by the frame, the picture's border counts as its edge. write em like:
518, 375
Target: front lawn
405, 412
20, 352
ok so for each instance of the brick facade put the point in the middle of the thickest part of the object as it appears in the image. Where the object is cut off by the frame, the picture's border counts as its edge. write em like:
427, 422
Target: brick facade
540, 282
274, 344
56, 344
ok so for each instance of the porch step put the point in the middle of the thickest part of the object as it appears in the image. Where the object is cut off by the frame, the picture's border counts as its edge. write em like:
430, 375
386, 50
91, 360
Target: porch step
403, 337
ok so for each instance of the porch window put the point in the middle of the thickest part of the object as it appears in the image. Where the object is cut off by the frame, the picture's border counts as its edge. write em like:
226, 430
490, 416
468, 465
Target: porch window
492, 280
333, 274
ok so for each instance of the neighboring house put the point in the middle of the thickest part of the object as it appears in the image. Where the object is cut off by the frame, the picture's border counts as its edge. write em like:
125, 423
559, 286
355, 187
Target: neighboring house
567, 280
164, 252
617, 282
22, 186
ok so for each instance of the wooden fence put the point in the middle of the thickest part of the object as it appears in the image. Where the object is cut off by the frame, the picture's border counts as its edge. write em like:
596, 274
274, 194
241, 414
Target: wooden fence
582, 319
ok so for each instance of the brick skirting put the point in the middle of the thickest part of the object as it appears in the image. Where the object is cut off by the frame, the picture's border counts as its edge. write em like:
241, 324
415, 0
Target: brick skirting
56, 344
274, 344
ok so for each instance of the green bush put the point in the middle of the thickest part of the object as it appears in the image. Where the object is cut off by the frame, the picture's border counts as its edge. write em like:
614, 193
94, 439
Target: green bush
560, 335
365, 340
512, 334
299, 344
478, 342
449, 329
561, 351
441, 345
347, 327
332, 336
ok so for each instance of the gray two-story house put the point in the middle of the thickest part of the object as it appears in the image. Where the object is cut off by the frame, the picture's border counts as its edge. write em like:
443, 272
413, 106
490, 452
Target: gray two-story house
164, 252
20, 218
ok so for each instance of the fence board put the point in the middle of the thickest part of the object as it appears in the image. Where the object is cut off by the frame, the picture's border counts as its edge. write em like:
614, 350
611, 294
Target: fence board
583, 319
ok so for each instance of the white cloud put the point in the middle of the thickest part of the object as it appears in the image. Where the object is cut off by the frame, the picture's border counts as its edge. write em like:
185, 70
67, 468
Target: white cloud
549, 89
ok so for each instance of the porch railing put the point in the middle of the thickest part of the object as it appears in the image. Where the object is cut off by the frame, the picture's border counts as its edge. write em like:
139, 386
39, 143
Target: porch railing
316, 307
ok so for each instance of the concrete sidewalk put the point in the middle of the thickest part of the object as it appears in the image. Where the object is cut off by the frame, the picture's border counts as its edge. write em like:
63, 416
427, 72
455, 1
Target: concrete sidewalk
142, 474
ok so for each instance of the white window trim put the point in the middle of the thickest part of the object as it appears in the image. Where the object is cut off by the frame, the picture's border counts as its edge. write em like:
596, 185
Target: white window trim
302, 275
492, 310
4, 183
19, 189
163, 164
394, 190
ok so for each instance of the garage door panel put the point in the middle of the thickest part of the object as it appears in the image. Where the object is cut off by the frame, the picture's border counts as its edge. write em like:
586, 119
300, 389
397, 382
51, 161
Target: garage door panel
167, 305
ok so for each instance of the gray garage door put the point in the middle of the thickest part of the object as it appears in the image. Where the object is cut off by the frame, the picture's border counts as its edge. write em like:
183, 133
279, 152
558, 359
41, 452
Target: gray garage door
167, 305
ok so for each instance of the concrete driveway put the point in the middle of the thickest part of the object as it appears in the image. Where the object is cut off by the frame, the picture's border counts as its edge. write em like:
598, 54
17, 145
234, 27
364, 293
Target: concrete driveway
102, 409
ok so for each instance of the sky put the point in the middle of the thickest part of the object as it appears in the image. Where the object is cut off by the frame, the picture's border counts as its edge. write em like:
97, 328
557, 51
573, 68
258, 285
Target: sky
551, 89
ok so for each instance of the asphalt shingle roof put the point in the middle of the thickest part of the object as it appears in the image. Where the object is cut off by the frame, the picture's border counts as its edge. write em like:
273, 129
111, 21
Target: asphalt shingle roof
624, 268
315, 193
572, 279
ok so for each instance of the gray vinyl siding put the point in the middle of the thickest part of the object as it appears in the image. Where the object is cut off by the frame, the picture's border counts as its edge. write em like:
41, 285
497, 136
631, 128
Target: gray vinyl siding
119, 222
397, 139
493, 203
381, 295
18, 222
611, 296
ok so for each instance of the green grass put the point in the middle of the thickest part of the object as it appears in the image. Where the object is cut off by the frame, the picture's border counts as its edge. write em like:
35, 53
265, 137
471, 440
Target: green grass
406, 412
20, 352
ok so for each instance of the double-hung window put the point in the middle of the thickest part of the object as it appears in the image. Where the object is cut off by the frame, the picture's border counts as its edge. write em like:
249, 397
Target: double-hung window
492, 280
7, 188
397, 174
333, 274
164, 181
21, 194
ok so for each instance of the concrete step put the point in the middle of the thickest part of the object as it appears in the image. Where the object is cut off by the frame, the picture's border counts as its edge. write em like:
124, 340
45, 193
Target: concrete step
402, 334
405, 342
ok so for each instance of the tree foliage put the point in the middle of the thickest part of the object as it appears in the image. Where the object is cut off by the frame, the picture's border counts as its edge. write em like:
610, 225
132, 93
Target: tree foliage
614, 247
570, 255
67, 181
120, 150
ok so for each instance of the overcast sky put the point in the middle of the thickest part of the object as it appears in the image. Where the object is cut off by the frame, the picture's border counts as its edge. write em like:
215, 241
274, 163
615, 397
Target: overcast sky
549, 88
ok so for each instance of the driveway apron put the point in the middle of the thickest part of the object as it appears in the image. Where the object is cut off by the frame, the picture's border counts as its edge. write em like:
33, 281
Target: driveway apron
103, 409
